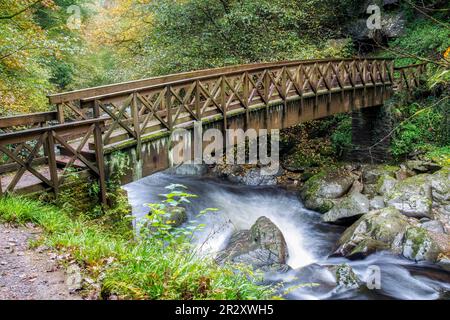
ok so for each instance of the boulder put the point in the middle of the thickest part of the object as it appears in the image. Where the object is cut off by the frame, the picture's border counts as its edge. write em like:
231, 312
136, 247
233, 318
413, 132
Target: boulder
440, 187
189, 169
385, 184
377, 203
319, 191
346, 277
263, 247
412, 196
248, 175
353, 205
433, 225
419, 245
421, 166
388, 229
375, 231
372, 173
404, 173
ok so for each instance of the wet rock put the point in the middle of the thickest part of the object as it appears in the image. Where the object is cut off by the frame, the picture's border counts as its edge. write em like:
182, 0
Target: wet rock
176, 215
388, 229
319, 191
346, 277
263, 247
375, 231
412, 196
189, 169
248, 175
419, 245
353, 205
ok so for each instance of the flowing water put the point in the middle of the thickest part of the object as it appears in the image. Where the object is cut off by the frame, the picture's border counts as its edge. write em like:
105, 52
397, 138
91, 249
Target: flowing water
309, 241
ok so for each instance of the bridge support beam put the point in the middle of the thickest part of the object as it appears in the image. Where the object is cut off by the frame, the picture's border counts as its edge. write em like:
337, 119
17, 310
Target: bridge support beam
370, 135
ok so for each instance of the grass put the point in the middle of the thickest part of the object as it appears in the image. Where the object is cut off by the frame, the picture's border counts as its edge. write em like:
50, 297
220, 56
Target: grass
130, 268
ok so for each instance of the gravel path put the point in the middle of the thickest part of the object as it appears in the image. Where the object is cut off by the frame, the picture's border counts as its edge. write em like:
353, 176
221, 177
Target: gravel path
27, 274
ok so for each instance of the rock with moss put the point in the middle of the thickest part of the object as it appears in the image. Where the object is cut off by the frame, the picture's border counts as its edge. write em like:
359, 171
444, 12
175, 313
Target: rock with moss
375, 231
419, 245
372, 173
412, 196
440, 187
421, 166
263, 247
385, 184
346, 277
388, 229
319, 191
353, 205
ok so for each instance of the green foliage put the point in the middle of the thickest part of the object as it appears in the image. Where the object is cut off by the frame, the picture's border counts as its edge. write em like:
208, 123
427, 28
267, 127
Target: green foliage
133, 269
195, 34
421, 126
341, 139
423, 38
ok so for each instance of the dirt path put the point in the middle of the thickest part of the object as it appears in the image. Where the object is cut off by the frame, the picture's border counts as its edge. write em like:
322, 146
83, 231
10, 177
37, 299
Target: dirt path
27, 274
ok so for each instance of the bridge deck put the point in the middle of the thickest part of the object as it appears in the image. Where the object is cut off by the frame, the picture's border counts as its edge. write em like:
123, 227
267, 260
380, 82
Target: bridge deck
95, 121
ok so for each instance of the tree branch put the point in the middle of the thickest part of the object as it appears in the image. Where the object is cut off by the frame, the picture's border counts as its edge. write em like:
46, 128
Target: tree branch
20, 11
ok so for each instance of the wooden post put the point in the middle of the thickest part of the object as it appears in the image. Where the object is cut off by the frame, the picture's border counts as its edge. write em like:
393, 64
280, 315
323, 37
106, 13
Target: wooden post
136, 124
98, 141
223, 102
197, 100
60, 114
50, 152
168, 108
245, 98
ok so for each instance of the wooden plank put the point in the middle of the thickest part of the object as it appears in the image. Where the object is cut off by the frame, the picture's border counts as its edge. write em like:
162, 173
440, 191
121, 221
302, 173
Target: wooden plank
27, 119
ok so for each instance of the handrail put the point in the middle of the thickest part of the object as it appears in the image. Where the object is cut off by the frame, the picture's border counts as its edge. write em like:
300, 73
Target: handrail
411, 66
27, 119
25, 135
137, 84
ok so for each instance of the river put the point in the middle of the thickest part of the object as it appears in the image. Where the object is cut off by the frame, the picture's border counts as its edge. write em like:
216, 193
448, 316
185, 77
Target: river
309, 240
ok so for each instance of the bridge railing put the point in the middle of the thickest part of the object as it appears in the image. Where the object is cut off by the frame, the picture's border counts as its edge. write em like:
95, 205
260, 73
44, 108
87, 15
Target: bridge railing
410, 76
31, 161
160, 104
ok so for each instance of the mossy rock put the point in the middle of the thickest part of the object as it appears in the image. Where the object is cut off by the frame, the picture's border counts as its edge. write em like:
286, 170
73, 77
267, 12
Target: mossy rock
375, 231
320, 190
412, 196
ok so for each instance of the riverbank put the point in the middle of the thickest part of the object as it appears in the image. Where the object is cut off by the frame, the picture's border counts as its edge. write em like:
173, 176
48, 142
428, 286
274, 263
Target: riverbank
114, 265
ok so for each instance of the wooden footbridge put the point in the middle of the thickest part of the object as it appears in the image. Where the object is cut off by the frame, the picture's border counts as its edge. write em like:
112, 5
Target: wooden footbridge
38, 151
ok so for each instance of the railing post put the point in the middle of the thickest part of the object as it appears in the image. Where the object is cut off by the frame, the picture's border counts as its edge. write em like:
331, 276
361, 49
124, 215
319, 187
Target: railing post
60, 113
136, 124
245, 98
197, 100
100, 161
223, 102
168, 107
50, 151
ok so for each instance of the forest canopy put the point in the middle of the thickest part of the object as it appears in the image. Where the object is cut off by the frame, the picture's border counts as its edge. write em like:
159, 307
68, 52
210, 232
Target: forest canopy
57, 45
